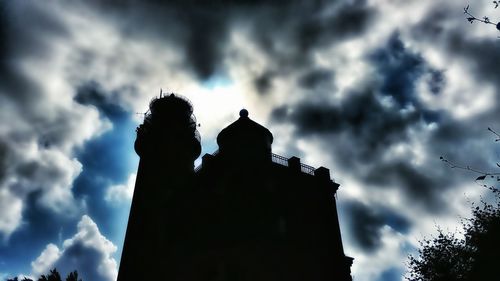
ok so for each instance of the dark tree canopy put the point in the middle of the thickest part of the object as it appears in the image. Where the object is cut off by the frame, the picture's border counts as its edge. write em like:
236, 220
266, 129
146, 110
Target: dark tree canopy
52, 276
473, 257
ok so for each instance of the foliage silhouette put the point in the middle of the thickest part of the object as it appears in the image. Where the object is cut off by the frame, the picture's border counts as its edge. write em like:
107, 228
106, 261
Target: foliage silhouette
52, 276
16, 279
472, 256
73, 276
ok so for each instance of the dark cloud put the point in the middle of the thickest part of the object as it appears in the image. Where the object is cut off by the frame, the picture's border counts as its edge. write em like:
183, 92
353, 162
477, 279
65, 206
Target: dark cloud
480, 55
398, 69
26, 32
286, 31
289, 36
200, 29
205, 43
366, 223
433, 24
28, 29
317, 79
4, 36
352, 18
419, 183
365, 226
349, 19
370, 120
92, 93
3, 160
436, 82
264, 82
371, 125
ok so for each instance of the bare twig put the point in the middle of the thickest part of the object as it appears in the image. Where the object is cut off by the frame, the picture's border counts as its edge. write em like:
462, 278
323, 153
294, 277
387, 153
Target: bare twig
480, 179
467, 168
498, 136
471, 18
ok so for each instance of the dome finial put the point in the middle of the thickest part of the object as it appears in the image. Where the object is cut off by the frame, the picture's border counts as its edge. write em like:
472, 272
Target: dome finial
243, 113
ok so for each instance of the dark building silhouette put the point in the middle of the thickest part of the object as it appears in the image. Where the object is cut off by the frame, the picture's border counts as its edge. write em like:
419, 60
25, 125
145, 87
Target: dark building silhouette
243, 214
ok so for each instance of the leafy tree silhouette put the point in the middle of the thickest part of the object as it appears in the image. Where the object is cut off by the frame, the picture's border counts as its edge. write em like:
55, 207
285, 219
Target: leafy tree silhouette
52, 276
73, 276
475, 255
16, 279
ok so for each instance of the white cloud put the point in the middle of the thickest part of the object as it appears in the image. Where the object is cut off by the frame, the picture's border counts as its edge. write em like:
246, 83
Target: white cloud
121, 192
46, 259
34, 168
88, 252
10, 210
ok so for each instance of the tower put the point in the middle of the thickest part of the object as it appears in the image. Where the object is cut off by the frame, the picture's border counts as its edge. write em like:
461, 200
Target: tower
167, 144
244, 214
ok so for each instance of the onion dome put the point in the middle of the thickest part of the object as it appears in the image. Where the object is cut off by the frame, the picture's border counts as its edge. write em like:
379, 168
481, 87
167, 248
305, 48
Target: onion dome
245, 136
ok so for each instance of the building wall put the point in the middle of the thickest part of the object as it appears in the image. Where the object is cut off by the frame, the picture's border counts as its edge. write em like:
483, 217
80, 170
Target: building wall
256, 222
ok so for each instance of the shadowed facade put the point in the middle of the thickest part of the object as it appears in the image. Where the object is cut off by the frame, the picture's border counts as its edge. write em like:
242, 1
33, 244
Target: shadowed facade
244, 214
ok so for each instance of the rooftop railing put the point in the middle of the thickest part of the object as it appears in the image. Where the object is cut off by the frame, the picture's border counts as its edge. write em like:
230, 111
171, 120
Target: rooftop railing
307, 169
278, 159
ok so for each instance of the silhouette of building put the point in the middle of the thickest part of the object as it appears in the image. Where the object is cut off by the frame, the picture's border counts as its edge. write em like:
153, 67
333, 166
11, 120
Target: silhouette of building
243, 214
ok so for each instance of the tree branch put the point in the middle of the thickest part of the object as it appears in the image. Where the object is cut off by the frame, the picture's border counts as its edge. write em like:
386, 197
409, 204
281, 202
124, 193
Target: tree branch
496, 134
471, 18
467, 168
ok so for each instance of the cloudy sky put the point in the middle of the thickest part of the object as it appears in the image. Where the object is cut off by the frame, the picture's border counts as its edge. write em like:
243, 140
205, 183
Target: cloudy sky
376, 90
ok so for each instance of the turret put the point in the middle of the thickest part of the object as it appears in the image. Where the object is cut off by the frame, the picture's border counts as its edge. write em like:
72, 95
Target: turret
169, 131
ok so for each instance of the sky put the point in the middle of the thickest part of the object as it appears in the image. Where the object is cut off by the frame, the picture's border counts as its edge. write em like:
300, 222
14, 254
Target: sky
375, 90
